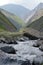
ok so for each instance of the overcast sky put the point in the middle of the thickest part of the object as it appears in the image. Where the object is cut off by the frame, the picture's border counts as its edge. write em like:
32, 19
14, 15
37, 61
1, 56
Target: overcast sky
27, 3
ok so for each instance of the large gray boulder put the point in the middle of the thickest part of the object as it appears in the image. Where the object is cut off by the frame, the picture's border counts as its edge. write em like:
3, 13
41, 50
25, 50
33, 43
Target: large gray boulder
8, 49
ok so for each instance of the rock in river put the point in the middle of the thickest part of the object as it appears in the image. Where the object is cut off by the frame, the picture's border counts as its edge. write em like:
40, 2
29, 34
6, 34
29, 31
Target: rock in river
2, 40
8, 49
26, 62
38, 60
41, 47
38, 43
11, 42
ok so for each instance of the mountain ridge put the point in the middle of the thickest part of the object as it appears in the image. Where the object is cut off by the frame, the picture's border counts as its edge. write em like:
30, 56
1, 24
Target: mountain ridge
18, 10
36, 14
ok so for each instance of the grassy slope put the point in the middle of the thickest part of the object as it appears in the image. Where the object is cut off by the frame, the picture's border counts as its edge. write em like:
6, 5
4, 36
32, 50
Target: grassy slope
17, 19
5, 20
4, 32
14, 17
37, 24
2, 27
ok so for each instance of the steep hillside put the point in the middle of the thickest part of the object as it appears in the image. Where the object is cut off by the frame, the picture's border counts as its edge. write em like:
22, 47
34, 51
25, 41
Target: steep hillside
18, 10
5, 24
16, 21
35, 14
37, 24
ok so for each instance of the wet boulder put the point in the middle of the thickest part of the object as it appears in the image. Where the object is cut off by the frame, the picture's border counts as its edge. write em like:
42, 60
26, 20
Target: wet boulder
10, 60
38, 43
15, 42
41, 47
26, 62
6, 59
8, 49
38, 60
26, 38
2, 40
11, 42
21, 39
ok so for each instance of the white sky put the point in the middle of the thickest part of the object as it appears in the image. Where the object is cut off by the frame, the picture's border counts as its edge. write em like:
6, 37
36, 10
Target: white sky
27, 3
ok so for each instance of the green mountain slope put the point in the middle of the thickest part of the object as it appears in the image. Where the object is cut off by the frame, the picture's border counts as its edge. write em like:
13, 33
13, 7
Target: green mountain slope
9, 21
5, 24
37, 24
16, 21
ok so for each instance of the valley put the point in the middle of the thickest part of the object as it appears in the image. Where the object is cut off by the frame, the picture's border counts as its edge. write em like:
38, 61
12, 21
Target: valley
21, 35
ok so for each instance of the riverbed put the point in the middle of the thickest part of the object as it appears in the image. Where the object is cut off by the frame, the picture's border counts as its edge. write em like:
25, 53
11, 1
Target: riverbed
24, 52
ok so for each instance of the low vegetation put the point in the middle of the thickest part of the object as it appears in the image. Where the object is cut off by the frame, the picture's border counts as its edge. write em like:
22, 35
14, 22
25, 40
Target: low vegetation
7, 34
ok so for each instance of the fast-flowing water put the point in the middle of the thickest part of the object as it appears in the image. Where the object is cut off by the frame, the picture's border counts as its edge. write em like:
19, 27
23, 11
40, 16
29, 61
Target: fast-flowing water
24, 51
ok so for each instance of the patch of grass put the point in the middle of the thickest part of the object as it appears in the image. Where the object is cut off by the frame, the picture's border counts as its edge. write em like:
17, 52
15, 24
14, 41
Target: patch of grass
2, 27
7, 34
